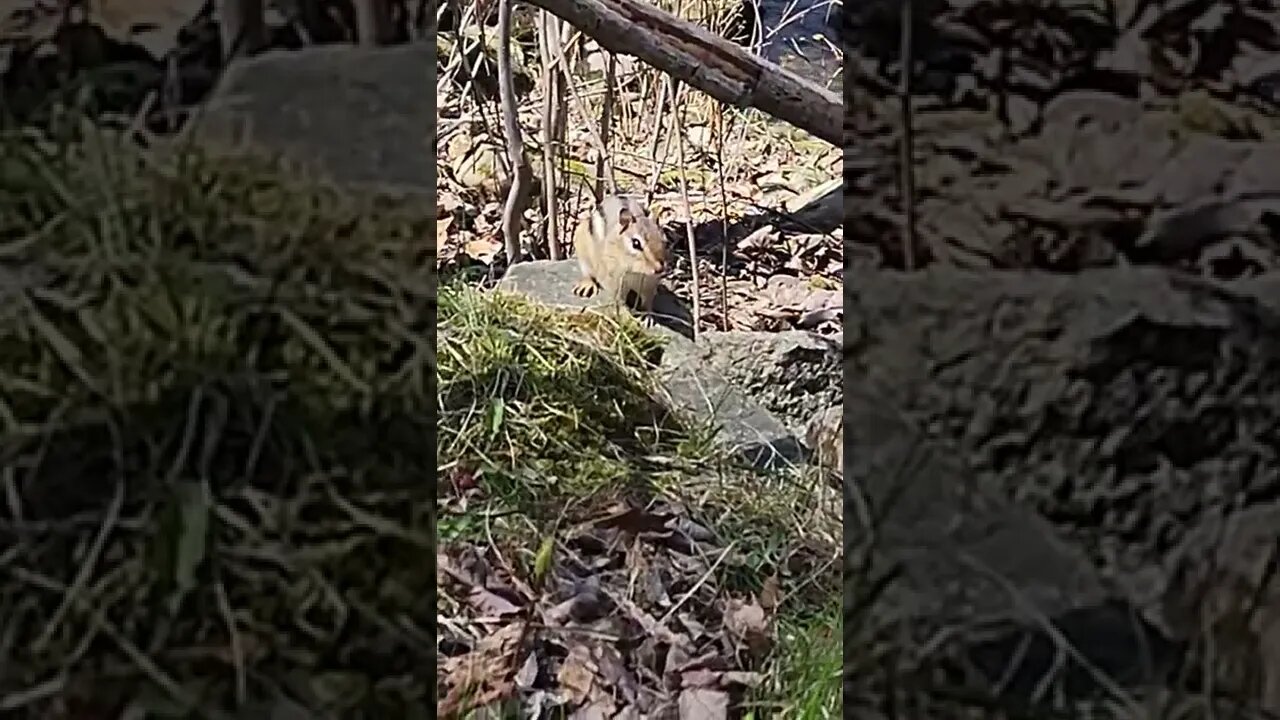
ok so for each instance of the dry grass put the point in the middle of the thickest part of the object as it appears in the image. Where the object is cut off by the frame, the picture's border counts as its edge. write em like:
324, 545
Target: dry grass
213, 412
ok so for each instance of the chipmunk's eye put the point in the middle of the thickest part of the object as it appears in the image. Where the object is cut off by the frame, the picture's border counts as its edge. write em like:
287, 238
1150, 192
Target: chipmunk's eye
636, 244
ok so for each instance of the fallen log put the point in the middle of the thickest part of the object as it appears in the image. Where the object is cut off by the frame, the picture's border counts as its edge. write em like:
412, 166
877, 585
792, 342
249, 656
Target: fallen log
694, 55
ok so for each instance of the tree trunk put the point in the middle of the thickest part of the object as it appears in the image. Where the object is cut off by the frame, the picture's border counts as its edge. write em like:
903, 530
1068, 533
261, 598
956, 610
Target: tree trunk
694, 55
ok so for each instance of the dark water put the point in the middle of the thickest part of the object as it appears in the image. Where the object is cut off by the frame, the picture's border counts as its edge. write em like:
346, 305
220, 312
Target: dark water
801, 36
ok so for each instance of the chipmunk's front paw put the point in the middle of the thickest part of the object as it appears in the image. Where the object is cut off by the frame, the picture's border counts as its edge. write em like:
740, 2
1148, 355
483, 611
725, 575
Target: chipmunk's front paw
649, 321
586, 287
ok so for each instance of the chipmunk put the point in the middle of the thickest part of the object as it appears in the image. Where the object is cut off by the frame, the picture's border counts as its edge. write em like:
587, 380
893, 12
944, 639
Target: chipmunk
620, 248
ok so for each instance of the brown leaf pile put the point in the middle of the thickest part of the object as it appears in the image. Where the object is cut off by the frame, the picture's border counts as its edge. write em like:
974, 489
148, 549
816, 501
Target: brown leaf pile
629, 621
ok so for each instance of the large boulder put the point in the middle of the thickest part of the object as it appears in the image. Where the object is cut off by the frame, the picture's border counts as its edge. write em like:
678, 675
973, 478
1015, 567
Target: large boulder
359, 116
795, 374
692, 385
992, 577
1124, 406
1048, 447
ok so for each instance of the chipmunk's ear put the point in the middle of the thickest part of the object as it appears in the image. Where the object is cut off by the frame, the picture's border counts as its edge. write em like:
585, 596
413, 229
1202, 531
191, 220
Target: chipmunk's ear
624, 218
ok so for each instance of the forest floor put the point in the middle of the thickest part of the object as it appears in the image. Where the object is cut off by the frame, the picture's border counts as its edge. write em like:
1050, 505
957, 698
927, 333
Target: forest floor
597, 555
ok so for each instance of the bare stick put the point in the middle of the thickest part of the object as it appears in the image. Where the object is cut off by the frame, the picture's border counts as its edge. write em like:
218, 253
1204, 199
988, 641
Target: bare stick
516, 194
664, 84
552, 100
724, 221
906, 155
559, 35
461, 49
684, 194
592, 131
606, 119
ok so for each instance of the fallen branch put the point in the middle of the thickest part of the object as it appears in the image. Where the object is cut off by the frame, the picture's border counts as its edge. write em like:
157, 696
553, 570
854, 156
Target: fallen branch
696, 56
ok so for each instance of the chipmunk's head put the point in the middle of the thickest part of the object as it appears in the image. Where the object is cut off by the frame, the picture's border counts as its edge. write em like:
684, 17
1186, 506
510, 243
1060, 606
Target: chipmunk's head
643, 241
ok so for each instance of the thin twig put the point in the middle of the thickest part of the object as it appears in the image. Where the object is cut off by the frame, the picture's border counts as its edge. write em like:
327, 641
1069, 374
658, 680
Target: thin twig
592, 131
688, 213
606, 119
236, 646
724, 220
907, 156
86, 568
135, 654
706, 575
663, 88
472, 87
552, 109
520, 174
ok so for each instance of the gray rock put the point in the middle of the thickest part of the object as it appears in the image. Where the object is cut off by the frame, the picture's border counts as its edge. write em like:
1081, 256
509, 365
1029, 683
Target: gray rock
1122, 405
551, 283
969, 558
706, 396
795, 374
693, 387
966, 551
360, 116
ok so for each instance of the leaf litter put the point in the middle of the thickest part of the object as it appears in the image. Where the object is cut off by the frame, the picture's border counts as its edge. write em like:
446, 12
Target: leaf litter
627, 625
630, 570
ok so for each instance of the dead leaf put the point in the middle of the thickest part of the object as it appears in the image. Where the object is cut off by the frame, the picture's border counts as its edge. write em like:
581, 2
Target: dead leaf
614, 671
597, 710
586, 605
700, 136
483, 249
528, 672
477, 678
682, 662
577, 674
759, 239
491, 604
747, 625
696, 629
442, 230
704, 704
629, 712
458, 146
699, 678
741, 677
35, 23
447, 203
150, 24
479, 168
